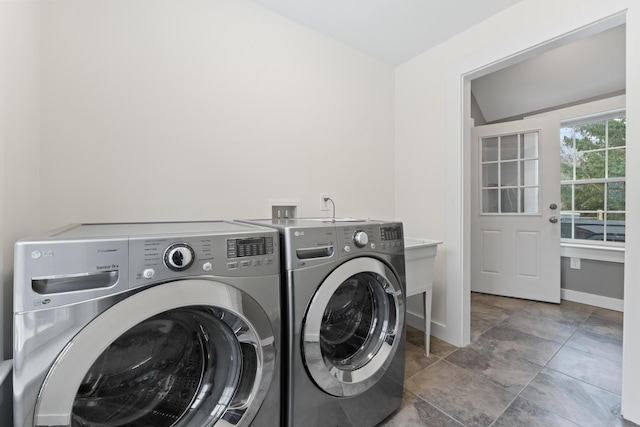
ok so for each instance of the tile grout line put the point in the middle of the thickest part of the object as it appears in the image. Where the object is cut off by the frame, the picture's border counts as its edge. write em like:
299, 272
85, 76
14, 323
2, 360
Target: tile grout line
525, 386
539, 370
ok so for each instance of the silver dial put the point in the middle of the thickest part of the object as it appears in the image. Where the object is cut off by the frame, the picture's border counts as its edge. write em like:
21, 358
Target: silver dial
179, 256
360, 238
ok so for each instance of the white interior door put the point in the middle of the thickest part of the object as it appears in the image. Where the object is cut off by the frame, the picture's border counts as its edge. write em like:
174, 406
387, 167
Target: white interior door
515, 209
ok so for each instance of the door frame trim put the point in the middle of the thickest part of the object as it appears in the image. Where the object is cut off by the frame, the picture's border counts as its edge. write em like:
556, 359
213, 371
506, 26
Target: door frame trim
591, 19
590, 16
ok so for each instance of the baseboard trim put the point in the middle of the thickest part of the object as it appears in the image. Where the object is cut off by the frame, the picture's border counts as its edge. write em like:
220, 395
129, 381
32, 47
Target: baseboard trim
591, 299
415, 320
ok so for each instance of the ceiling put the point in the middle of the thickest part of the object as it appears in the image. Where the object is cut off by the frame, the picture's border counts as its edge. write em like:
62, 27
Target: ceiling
393, 31
585, 70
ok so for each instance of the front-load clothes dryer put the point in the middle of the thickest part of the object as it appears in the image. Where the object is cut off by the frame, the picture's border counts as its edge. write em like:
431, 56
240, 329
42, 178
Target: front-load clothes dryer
151, 324
344, 300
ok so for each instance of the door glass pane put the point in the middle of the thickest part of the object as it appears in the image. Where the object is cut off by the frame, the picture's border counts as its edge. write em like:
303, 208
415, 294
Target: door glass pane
490, 201
510, 163
529, 145
509, 200
508, 174
151, 374
490, 175
590, 165
490, 149
530, 200
508, 147
350, 332
529, 172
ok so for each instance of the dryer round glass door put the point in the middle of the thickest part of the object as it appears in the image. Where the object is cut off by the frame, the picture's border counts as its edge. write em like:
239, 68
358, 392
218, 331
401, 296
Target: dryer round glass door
154, 372
353, 326
192, 357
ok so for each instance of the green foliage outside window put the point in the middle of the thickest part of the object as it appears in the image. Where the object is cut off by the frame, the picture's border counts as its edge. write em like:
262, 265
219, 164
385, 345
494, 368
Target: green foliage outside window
593, 159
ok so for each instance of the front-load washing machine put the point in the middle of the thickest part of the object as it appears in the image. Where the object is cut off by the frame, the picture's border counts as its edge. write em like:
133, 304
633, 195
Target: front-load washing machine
344, 316
150, 324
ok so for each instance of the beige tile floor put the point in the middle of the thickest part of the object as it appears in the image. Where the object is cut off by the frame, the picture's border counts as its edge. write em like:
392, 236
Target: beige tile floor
528, 364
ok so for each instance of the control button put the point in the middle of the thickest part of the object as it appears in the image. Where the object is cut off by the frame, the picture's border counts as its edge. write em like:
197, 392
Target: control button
373, 246
360, 238
207, 266
257, 262
148, 273
347, 249
268, 261
245, 264
179, 257
232, 265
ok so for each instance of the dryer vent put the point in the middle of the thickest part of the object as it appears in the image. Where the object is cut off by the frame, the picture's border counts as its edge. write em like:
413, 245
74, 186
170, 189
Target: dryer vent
283, 211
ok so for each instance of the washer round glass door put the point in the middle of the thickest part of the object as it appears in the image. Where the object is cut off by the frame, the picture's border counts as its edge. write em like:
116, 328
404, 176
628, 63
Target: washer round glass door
190, 358
353, 326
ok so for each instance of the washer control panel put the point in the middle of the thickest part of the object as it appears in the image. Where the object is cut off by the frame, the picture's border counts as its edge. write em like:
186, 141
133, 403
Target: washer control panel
171, 257
391, 236
372, 236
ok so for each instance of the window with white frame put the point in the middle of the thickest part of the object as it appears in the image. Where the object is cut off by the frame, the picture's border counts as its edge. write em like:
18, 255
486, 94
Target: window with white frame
509, 165
592, 162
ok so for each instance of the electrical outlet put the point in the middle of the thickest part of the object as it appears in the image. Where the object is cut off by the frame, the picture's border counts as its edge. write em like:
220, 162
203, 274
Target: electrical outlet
324, 204
575, 263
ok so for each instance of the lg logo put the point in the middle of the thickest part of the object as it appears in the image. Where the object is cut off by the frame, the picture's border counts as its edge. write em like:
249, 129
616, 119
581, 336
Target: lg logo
298, 233
38, 254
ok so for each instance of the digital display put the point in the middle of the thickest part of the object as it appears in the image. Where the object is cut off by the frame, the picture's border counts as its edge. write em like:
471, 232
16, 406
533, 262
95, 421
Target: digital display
254, 246
391, 233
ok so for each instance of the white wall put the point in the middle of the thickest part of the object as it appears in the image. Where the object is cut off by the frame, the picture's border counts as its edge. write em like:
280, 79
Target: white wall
426, 138
145, 110
184, 110
19, 141
421, 124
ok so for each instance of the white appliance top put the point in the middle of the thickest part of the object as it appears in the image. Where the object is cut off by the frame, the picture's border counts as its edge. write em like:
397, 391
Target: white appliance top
81, 231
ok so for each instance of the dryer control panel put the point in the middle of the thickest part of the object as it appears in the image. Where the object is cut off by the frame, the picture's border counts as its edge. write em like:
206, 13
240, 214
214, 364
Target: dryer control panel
355, 238
171, 257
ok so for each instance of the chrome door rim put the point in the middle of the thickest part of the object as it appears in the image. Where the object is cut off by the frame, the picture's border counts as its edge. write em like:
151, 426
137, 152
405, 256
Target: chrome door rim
329, 377
57, 394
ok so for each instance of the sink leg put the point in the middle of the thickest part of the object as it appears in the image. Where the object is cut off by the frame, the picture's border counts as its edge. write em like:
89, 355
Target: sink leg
427, 320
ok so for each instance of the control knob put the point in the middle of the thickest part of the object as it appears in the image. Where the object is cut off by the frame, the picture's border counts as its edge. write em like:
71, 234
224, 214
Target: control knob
179, 257
360, 238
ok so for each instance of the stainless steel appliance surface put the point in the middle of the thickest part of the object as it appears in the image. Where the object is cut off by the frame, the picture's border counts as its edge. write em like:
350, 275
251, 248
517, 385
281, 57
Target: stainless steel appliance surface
344, 317
148, 324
